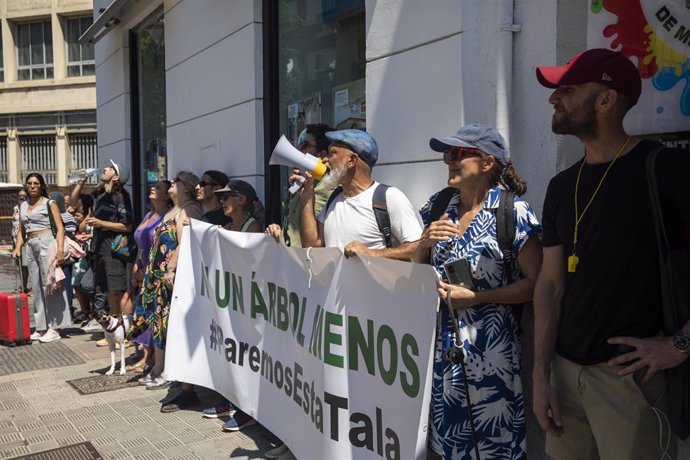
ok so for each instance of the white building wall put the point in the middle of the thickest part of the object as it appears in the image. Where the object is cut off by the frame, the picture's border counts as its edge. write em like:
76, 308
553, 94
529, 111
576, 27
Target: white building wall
113, 94
215, 88
431, 70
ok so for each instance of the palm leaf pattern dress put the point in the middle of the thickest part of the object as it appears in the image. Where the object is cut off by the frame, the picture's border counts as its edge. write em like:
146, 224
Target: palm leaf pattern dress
489, 339
156, 296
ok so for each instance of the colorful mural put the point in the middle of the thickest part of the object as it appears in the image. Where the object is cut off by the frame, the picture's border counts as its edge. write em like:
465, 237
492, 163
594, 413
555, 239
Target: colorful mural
655, 35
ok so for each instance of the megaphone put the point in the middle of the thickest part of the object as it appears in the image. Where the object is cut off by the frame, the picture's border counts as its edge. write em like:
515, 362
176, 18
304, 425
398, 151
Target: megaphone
286, 154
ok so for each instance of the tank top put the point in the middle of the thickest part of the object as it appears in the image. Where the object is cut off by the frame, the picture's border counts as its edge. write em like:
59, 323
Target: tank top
37, 218
247, 223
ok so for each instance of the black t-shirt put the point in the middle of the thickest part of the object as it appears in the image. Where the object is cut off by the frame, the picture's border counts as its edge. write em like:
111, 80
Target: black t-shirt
615, 290
216, 217
111, 207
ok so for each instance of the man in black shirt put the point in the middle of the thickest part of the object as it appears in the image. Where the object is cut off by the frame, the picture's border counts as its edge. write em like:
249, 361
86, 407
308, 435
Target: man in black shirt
598, 318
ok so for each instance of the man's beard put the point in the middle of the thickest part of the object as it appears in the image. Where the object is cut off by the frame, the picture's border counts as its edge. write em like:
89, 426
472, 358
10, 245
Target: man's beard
584, 127
333, 178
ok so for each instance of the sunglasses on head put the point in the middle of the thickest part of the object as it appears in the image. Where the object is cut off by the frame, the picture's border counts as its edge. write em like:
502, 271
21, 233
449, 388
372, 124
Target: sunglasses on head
458, 153
204, 183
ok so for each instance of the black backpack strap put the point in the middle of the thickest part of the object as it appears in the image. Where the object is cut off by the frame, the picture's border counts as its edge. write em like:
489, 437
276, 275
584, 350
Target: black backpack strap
337, 191
440, 203
505, 231
380, 207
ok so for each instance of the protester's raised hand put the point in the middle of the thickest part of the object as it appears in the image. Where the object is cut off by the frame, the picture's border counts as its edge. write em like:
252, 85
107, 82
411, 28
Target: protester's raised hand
295, 176
275, 231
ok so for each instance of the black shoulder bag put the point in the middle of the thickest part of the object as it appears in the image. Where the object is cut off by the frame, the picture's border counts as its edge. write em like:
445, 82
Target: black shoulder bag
674, 264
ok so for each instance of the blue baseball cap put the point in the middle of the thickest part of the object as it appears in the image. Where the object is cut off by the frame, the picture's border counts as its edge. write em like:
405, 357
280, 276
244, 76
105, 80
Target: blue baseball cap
359, 142
475, 136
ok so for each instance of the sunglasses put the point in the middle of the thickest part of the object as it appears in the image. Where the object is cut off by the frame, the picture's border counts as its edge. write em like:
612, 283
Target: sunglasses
204, 183
458, 153
306, 144
226, 195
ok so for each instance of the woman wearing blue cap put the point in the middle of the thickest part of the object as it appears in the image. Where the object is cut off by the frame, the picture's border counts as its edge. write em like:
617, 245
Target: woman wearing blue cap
477, 404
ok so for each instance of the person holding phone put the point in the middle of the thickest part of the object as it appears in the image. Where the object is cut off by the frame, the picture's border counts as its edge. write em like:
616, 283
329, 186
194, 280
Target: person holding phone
479, 167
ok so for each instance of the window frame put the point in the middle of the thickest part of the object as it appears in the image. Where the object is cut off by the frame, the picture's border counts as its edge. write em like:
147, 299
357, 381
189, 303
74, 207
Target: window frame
47, 65
81, 62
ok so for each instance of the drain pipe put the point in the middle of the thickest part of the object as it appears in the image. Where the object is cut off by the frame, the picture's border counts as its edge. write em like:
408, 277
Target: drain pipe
504, 66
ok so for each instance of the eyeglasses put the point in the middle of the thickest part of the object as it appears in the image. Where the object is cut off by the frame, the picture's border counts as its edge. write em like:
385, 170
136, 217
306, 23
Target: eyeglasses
204, 183
458, 153
33, 184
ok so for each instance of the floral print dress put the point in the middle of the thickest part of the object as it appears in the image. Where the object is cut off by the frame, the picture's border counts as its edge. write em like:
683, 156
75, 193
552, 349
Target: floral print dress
489, 340
156, 296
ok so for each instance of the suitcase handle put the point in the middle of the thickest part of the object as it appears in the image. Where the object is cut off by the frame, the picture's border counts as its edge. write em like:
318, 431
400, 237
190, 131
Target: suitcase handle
19, 276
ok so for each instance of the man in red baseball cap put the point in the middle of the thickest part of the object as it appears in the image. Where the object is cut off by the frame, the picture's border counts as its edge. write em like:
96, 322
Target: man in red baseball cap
599, 322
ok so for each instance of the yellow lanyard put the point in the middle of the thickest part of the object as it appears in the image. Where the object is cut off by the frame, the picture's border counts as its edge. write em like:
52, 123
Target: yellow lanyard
573, 259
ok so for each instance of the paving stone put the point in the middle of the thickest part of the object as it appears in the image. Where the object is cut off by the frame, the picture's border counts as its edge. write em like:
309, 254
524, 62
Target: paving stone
14, 452
40, 447
39, 438
69, 440
39, 411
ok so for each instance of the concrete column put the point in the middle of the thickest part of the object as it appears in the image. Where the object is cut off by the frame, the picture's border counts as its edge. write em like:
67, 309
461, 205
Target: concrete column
14, 158
59, 52
9, 53
62, 156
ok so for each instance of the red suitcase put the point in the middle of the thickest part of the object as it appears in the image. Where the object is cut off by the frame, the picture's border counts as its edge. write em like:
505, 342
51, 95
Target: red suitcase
14, 319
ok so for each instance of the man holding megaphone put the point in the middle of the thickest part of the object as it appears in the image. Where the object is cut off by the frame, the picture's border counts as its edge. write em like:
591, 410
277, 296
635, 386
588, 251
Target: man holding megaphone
349, 220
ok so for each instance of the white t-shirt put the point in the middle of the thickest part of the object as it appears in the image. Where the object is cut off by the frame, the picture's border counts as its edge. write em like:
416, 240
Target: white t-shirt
349, 219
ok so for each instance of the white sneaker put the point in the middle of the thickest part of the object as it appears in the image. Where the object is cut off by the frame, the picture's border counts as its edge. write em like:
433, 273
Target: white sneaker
158, 383
92, 326
36, 335
145, 380
51, 335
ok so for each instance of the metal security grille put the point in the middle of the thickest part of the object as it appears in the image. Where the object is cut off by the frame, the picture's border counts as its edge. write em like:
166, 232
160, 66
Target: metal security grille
4, 167
84, 152
38, 155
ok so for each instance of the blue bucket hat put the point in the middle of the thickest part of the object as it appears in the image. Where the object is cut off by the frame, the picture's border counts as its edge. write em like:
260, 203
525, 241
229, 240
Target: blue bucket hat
475, 136
359, 142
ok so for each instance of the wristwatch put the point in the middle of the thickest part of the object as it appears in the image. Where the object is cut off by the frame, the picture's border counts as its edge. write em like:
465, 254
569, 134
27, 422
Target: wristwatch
681, 341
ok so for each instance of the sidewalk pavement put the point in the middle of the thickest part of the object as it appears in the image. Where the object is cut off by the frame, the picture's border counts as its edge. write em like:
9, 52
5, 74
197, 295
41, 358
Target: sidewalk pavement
40, 411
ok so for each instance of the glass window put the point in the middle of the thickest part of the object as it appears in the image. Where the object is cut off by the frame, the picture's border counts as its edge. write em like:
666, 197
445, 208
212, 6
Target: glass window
34, 50
321, 65
80, 58
150, 113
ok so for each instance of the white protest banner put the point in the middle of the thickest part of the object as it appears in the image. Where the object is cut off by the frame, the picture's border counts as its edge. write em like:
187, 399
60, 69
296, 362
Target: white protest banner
332, 355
